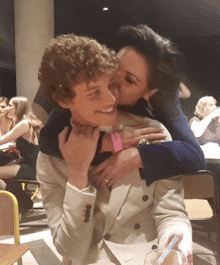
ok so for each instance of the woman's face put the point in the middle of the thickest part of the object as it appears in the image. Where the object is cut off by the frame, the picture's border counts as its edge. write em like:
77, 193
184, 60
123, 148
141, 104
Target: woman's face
210, 107
3, 107
11, 110
134, 73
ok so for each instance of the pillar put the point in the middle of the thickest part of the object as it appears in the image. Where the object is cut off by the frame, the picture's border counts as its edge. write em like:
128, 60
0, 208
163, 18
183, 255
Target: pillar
34, 27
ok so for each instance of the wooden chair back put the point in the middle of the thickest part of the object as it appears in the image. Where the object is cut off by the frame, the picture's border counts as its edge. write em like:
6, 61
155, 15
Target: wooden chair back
199, 186
9, 215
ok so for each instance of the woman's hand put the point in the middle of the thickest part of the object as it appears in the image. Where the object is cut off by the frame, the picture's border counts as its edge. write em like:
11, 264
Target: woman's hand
215, 113
116, 167
78, 152
131, 137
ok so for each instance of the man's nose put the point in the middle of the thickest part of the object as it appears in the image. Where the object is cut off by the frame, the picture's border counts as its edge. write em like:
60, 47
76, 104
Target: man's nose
108, 96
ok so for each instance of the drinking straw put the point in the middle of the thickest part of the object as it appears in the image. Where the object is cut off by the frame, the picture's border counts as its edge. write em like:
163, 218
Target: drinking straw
167, 251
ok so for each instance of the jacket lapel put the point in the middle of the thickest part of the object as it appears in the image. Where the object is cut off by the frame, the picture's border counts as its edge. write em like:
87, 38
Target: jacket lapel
128, 199
117, 198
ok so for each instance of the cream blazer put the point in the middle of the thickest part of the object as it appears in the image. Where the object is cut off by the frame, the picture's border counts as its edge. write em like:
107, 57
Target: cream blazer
120, 226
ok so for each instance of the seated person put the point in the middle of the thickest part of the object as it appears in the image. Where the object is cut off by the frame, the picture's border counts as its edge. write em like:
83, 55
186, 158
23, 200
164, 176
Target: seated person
25, 133
206, 122
5, 122
91, 224
151, 49
206, 126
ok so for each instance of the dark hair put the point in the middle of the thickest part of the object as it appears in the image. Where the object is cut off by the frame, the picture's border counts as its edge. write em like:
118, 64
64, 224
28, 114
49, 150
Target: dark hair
163, 55
69, 59
4, 99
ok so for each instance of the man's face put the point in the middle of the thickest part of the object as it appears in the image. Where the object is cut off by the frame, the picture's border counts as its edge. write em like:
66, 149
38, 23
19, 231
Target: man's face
94, 103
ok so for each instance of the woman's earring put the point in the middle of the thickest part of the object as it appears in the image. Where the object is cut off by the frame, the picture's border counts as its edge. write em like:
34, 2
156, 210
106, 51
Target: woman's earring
149, 108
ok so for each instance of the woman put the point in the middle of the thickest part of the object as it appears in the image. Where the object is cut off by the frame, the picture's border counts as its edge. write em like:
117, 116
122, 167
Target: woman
206, 126
5, 122
160, 61
25, 132
149, 76
206, 123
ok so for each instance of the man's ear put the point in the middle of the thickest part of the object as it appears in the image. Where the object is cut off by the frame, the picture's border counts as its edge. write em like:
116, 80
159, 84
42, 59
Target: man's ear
62, 103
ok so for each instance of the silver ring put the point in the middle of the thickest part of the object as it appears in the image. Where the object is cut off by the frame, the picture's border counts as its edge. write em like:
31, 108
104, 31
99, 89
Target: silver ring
106, 181
144, 142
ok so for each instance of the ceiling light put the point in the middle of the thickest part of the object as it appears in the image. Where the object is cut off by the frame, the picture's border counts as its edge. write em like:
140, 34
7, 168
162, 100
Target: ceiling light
105, 8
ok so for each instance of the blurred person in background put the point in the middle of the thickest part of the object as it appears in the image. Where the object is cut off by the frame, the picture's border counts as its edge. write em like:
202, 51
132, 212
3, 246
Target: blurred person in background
25, 133
206, 126
206, 122
5, 122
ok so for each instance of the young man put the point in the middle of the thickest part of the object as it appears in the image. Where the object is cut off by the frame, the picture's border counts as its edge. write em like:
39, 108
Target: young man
91, 224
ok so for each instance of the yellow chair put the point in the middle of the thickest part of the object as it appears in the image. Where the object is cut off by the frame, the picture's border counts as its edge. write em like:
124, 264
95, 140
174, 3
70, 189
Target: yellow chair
26, 182
9, 225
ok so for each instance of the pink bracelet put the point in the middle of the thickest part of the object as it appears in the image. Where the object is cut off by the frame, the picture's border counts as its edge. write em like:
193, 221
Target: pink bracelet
117, 143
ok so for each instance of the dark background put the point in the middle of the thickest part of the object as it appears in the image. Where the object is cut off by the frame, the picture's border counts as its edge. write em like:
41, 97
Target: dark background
194, 25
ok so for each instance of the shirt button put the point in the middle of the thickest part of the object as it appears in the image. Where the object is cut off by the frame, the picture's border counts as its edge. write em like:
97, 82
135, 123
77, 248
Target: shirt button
107, 236
137, 226
145, 198
87, 215
154, 247
87, 210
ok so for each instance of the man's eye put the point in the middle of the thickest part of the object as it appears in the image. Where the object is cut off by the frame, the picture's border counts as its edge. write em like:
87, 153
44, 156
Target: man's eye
94, 93
129, 80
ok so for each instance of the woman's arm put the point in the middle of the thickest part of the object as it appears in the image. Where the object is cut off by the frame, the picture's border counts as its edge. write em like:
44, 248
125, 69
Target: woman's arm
18, 130
182, 155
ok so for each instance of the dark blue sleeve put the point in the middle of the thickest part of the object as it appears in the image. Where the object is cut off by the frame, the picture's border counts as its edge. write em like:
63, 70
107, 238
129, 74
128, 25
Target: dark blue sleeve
183, 155
48, 140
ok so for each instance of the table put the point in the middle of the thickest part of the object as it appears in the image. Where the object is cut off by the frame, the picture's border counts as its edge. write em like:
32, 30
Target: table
204, 259
8, 153
7, 146
211, 150
10, 253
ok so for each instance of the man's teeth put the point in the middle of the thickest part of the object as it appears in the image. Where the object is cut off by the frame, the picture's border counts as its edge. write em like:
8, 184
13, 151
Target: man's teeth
108, 110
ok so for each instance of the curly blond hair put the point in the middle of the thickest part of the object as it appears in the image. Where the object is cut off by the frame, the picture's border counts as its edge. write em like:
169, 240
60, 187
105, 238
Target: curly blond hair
201, 106
69, 59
